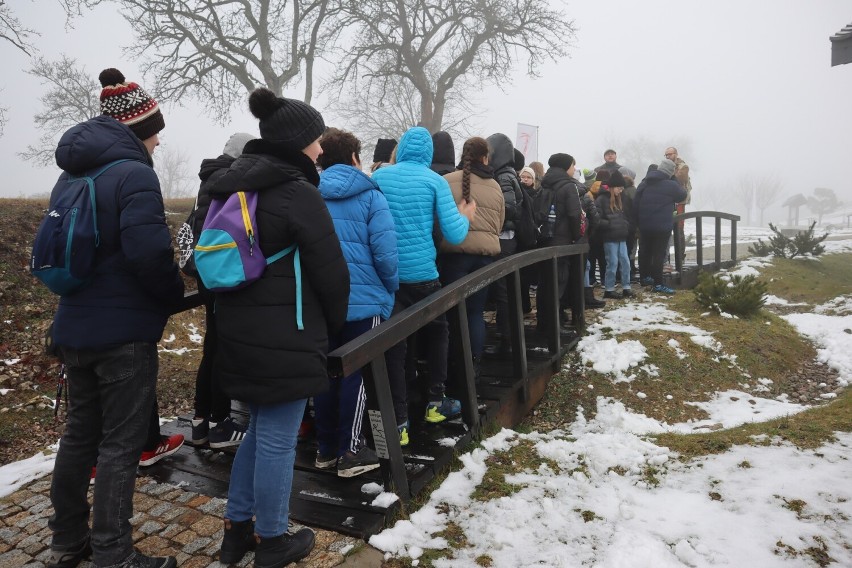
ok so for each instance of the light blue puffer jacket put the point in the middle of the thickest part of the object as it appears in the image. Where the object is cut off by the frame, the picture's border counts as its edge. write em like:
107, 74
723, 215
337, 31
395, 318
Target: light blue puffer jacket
417, 195
364, 225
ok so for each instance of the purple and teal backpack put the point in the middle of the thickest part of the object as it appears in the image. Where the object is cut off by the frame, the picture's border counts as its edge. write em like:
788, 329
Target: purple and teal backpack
228, 255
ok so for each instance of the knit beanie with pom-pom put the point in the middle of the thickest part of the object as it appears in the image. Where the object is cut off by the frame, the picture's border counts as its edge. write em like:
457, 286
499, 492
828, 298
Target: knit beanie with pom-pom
290, 122
129, 104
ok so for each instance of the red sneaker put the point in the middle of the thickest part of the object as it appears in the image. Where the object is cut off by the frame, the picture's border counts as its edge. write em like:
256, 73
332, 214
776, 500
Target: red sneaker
168, 446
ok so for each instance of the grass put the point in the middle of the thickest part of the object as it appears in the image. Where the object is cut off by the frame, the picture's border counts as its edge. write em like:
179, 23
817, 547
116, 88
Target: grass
809, 429
813, 281
521, 457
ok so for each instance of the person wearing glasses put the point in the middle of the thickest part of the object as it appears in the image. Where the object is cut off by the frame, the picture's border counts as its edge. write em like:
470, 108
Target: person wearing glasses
682, 176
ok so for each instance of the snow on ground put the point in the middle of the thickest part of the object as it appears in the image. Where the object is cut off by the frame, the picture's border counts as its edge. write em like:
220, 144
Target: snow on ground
15, 475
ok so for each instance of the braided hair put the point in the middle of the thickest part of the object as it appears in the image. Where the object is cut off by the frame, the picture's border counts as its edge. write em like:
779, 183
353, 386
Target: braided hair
475, 150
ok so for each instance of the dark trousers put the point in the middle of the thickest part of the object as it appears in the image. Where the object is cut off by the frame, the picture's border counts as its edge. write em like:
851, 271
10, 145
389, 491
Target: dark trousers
210, 401
597, 258
458, 265
339, 411
435, 335
653, 247
499, 292
547, 314
109, 413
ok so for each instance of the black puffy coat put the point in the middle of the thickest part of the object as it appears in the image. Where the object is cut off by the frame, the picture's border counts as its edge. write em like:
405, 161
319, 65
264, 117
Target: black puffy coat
502, 159
562, 190
136, 282
262, 357
593, 216
614, 225
655, 201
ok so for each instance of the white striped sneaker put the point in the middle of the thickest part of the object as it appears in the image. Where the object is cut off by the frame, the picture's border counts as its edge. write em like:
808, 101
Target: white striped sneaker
226, 433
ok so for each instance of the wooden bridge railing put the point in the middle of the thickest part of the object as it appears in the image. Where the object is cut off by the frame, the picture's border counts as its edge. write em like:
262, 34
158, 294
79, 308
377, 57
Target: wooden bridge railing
367, 352
699, 250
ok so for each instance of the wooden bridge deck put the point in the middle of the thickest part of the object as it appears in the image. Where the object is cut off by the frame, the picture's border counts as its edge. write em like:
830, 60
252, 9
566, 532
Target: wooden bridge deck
319, 498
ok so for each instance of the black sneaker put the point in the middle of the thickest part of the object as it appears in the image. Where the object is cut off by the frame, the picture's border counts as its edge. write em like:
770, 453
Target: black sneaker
70, 556
610, 294
227, 433
139, 560
237, 540
350, 465
627, 293
200, 431
281, 550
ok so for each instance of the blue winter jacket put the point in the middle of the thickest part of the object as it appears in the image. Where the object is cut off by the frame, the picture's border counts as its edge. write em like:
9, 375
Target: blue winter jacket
136, 280
416, 195
655, 201
364, 225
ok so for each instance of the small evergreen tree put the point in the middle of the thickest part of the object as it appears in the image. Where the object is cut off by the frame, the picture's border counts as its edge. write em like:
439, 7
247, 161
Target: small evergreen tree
804, 242
741, 296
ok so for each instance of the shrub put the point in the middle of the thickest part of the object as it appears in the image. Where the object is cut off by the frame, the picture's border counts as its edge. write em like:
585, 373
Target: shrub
737, 295
804, 242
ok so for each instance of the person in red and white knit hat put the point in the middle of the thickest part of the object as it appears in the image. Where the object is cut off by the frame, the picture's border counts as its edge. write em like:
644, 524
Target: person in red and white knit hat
107, 333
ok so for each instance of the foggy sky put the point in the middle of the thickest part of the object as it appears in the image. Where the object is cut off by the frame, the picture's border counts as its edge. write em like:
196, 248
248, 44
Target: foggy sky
748, 83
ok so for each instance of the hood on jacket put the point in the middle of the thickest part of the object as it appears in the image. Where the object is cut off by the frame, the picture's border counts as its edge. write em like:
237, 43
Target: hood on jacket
415, 146
341, 181
657, 175
254, 172
502, 152
553, 175
209, 166
97, 142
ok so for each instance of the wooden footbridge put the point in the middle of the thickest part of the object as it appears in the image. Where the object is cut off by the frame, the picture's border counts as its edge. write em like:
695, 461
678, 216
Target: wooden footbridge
509, 386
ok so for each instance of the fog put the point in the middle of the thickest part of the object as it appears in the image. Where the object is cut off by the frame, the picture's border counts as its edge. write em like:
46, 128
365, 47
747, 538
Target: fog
746, 88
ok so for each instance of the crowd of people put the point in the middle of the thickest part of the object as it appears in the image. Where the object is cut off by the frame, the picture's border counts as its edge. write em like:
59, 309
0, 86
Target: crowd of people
370, 245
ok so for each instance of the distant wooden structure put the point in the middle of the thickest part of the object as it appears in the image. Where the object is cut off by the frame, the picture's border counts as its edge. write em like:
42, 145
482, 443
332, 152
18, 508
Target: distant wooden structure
793, 204
841, 46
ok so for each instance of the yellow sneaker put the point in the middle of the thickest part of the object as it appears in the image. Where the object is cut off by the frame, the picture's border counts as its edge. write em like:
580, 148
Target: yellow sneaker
438, 411
403, 433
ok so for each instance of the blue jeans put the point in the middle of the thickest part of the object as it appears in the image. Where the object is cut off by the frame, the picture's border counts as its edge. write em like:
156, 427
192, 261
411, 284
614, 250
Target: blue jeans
616, 258
340, 410
455, 266
111, 394
262, 473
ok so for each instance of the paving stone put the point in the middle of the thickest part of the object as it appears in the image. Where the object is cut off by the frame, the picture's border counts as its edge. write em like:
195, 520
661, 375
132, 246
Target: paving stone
8, 509
215, 506
198, 501
171, 495
185, 537
186, 496
171, 530
189, 517
20, 496
40, 486
33, 501
151, 527
199, 562
173, 513
153, 545
196, 544
37, 525
159, 489
163, 507
15, 559
7, 533
207, 526
142, 502
139, 518
44, 507
147, 487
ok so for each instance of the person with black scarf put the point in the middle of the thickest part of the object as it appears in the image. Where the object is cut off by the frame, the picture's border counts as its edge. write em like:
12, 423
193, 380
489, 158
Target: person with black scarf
264, 357
474, 180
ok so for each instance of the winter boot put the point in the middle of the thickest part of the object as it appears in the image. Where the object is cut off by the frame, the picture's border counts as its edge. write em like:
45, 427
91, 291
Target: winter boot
280, 551
237, 540
592, 302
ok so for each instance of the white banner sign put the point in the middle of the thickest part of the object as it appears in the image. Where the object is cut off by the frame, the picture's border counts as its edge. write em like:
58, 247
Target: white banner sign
527, 141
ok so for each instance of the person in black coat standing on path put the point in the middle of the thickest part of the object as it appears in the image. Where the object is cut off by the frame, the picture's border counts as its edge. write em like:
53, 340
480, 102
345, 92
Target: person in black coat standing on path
613, 230
263, 357
655, 202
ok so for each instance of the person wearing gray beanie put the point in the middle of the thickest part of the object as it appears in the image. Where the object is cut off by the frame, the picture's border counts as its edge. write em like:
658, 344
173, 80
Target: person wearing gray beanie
667, 167
236, 143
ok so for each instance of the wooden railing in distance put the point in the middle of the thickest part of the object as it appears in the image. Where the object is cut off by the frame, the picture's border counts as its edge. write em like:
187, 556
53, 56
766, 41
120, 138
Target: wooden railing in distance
699, 244
367, 352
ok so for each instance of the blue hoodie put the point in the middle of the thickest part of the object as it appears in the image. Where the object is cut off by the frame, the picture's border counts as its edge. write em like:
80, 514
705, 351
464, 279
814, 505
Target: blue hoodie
416, 195
364, 225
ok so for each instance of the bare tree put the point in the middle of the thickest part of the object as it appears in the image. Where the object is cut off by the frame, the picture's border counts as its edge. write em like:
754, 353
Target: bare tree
639, 152
372, 115
440, 45
172, 167
13, 31
744, 194
217, 50
823, 201
714, 198
71, 97
767, 192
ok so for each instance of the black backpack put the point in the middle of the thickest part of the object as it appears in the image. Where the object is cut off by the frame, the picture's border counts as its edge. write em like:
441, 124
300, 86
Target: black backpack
526, 228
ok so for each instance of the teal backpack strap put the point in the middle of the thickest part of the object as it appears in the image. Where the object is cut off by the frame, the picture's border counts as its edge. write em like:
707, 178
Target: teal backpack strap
297, 267
90, 180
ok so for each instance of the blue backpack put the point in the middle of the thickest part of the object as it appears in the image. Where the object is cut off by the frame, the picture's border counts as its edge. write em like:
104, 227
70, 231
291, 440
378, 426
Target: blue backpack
66, 243
228, 256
